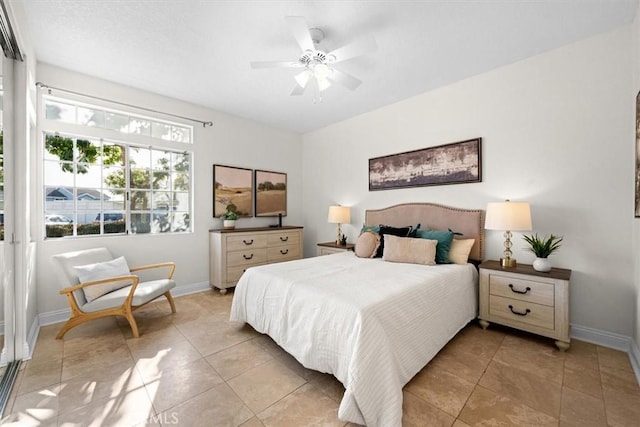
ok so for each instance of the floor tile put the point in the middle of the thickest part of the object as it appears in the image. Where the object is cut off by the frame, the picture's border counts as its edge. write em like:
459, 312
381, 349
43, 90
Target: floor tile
536, 356
40, 406
264, 385
176, 385
235, 360
418, 413
582, 355
306, 406
152, 359
217, 406
583, 380
461, 363
611, 358
39, 374
441, 389
622, 409
329, 385
581, 410
94, 359
524, 387
486, 408
100, 385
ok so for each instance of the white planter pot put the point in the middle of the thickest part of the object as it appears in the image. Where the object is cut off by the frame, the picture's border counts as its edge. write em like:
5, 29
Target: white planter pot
229, 223
542, 264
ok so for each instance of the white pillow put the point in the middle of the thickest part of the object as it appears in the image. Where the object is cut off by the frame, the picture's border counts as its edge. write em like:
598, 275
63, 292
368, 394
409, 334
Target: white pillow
460, 249
409, 250
103, 270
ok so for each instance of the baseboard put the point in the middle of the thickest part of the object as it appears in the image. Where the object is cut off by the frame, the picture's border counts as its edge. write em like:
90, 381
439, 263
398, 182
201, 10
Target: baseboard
634, 355
31, 339
603, 338
193, 288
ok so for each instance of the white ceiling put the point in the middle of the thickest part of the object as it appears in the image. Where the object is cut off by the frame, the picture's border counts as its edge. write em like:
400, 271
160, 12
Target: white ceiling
199, 50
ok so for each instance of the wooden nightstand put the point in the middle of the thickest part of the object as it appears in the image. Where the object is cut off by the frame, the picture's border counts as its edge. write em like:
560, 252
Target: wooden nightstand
526, 299
332, 248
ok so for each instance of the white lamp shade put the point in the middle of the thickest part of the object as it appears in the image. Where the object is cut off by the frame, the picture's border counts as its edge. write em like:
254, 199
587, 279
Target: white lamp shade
511, 216
339, 215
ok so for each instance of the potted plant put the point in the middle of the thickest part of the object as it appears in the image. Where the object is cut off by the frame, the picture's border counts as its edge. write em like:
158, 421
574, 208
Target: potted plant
542, 248
229, 218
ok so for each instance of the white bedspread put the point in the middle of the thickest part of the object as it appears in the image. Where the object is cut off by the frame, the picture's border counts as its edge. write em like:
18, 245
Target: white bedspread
372, 324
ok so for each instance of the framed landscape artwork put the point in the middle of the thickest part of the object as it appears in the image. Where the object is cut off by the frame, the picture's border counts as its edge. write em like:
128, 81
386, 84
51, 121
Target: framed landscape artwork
233, 190
271, 193
456, 163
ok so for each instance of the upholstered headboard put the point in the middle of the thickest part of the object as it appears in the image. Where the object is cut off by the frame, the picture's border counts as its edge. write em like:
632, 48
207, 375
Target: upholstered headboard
469, 222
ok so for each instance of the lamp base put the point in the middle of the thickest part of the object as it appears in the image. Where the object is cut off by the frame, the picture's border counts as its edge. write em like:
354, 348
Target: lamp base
508, 262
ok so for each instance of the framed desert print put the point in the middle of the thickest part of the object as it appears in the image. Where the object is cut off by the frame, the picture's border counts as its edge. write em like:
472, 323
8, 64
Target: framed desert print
455, 163
232, 190
271, 193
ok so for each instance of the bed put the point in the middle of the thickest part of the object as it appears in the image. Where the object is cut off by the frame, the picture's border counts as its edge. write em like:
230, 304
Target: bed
372, 324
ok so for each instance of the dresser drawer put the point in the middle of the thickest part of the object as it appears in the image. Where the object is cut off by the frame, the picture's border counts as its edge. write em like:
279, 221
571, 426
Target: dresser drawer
283, 253
242, 242
522, 289
246, 258
283, 238
234, 273
529, 313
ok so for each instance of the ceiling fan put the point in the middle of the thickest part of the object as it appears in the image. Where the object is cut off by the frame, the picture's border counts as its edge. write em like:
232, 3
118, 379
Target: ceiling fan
318, 65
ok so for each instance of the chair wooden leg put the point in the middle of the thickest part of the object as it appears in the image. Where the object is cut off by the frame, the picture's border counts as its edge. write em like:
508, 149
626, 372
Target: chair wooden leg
170, 299
71, 323
133, 324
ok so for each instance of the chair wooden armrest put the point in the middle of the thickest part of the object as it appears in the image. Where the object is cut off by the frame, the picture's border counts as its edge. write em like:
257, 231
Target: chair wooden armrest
170, 265
71, 289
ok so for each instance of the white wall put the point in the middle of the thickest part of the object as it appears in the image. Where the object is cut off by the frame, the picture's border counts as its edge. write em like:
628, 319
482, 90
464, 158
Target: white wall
231, 141
557, 132
636, 223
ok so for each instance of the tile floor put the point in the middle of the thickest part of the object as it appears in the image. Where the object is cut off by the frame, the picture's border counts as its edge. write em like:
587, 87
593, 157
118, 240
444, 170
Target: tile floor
195, 368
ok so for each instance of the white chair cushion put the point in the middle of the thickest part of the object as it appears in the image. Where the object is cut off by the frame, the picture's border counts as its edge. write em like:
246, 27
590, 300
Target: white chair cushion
84, 257
103, 270
144, 293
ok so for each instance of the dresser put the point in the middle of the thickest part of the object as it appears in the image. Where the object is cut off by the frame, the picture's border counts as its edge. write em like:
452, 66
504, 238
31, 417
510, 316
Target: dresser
526, 299
333, 248
231, 252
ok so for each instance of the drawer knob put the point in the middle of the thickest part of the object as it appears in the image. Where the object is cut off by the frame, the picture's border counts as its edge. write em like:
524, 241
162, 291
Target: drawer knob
247, 257
284, 239
517, 291
284, 252
250, 242
527, 311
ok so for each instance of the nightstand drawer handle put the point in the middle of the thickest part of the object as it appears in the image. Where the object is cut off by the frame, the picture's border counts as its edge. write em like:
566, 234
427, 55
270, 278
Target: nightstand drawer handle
284, 239
517, 291
286, 251
250, 242
247, 257
527, 311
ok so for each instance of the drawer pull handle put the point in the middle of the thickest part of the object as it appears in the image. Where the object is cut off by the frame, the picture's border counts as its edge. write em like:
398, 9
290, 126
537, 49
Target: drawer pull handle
517, 291
527, 311
247, 257
286, 251
250, 242
284, 239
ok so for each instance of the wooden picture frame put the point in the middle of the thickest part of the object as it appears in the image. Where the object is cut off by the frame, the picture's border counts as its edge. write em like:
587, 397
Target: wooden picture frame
232, 186
270, 193
455, 163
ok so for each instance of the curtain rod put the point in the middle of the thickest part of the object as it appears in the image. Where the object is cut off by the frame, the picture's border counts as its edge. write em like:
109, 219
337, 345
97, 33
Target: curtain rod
50, 88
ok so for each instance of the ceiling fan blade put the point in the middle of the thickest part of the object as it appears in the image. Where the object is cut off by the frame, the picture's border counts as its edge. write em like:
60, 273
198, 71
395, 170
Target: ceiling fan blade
357, 48
346, 80
300, 31
276, 64
298, 90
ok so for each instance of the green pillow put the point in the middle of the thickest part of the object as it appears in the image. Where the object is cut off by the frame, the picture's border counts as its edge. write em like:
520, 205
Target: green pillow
444, 239
374, 228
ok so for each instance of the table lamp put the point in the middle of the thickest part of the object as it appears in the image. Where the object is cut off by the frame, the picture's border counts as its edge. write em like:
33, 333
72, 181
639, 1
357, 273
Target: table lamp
508, 216
339, 215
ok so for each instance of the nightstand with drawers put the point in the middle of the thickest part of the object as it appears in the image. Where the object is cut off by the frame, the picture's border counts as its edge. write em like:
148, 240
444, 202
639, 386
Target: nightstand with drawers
526, 299
333, 248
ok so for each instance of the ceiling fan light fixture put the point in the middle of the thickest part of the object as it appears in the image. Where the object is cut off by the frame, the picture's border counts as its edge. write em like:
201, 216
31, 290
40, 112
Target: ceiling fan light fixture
321, 71
323, 84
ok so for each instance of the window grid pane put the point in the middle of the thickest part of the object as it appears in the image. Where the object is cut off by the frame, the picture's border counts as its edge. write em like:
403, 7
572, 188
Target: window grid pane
89, 197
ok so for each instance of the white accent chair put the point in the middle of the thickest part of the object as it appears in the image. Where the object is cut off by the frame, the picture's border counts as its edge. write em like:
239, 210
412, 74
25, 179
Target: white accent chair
119, 302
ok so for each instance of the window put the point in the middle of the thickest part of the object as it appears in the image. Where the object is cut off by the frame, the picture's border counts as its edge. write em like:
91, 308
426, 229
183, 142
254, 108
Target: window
102, 187
86, 115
